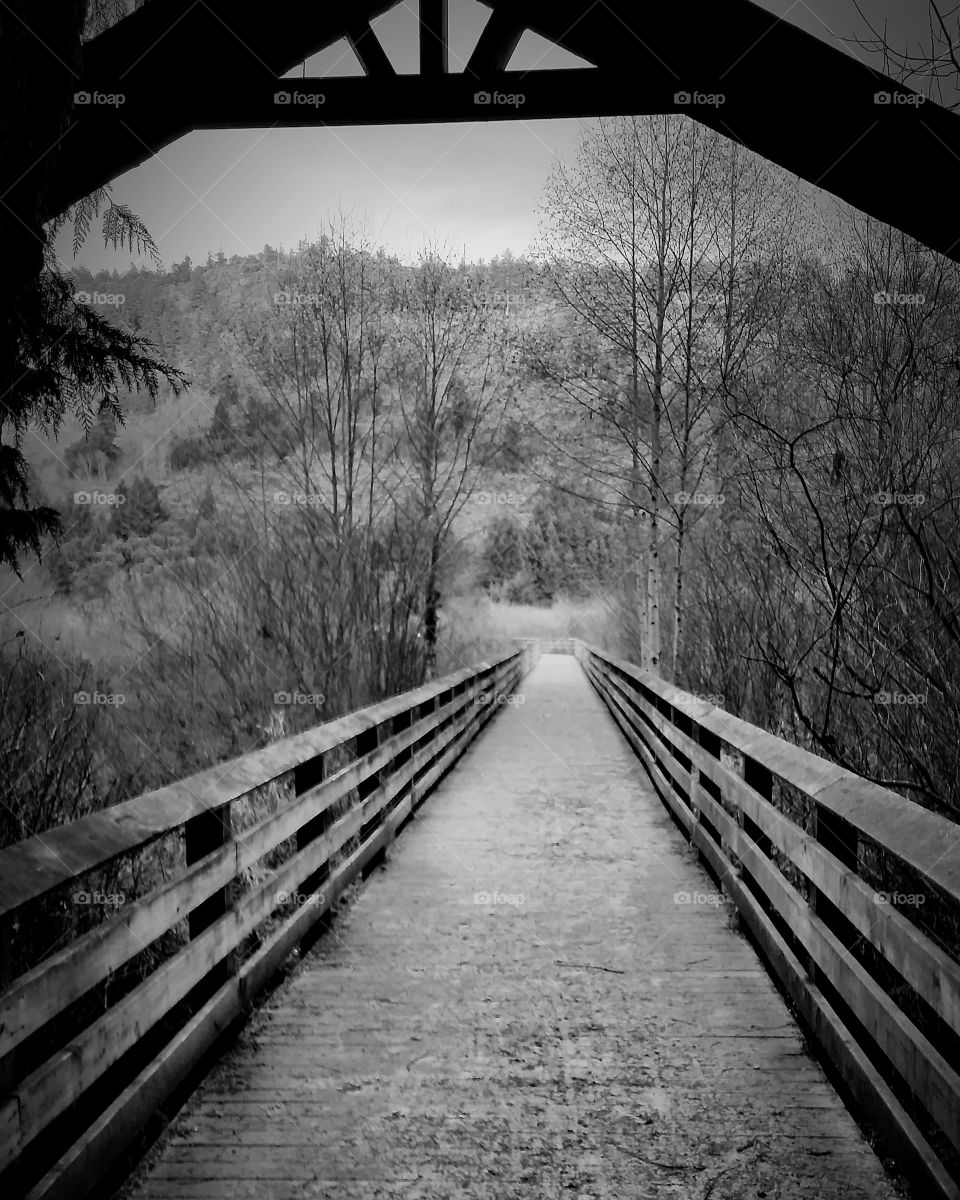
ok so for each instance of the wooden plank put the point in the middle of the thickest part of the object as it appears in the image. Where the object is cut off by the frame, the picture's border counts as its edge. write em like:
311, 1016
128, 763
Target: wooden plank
81, 1168
50, 1089
930, 1077
927, 968
866, 1085
256, 973
10, 1124
78, 1172
928, 1074
928, 843
649, 759
36, 866
721, 820
205, 834
36, 997
686, 745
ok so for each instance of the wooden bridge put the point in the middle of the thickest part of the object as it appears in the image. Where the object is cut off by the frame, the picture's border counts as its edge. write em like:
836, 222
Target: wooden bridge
664, 962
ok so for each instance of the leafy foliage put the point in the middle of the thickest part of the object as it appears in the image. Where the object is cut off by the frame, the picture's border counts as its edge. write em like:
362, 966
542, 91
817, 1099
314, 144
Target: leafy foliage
139, 510
567, 549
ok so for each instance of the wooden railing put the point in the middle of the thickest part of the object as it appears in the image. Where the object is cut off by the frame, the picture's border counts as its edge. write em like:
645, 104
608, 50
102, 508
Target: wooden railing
83, 1066
851, 891
562, 645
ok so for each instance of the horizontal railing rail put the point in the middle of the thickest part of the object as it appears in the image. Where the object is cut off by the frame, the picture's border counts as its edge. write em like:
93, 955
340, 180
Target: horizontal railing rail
807, 851
542, 645
238, 902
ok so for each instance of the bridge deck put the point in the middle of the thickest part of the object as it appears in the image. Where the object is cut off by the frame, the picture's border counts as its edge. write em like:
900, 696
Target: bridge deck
597, 1039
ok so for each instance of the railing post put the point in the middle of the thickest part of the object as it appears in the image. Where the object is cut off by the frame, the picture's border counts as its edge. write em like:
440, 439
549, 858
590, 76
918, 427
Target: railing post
760, 778
203, 834
839, 838
710, 744
8, 939
684, 724
423, 710
366, 742
306, 776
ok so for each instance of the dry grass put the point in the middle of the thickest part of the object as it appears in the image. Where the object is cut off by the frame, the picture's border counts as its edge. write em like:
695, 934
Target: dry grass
474, 628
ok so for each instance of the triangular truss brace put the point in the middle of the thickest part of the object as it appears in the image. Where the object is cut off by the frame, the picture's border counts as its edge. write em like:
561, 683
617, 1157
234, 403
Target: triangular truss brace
171, 67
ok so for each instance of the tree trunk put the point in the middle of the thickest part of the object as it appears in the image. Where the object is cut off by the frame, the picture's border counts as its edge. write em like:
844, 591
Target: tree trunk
678, 597
639, 550
656, 410
431, 613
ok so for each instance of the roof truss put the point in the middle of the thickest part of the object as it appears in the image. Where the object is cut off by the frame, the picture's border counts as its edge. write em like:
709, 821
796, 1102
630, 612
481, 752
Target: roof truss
182, 66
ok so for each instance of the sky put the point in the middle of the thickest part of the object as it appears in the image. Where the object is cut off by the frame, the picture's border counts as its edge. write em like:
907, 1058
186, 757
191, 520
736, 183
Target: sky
472, 187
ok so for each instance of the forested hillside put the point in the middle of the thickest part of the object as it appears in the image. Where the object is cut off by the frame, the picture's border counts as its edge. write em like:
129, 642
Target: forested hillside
701, 427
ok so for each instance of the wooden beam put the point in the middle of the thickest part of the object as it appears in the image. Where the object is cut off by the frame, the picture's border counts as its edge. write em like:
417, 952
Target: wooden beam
367, 47
34, 867
434, 42
788, 96
500, 37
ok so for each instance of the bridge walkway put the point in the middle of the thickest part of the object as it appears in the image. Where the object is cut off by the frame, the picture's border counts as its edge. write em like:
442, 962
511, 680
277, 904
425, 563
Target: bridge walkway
521, 1004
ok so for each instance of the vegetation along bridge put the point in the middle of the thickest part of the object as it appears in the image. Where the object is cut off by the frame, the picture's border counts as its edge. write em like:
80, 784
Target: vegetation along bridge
685, 960
679, 959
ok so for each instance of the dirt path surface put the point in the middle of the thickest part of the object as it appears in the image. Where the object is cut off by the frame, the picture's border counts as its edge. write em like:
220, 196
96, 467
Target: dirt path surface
522, 1004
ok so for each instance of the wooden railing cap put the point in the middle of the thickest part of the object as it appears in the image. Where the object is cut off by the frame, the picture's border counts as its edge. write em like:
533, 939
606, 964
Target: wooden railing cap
923, 840
39, 864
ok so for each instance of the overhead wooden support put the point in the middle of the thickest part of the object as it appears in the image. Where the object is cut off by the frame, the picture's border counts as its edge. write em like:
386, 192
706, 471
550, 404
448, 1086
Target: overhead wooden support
367, 47
501, 36
753, 77
434, 42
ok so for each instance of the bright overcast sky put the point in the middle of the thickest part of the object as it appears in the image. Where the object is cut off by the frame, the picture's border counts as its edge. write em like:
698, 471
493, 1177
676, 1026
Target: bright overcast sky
474, 187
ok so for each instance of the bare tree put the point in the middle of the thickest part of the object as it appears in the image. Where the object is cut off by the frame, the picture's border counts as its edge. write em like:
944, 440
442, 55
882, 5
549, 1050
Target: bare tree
659, 242
447, 370
857, 510
933, 67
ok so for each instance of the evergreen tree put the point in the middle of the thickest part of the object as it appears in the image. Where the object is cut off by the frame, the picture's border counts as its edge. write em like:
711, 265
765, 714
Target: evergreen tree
505, 550
140, 511
55, 353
